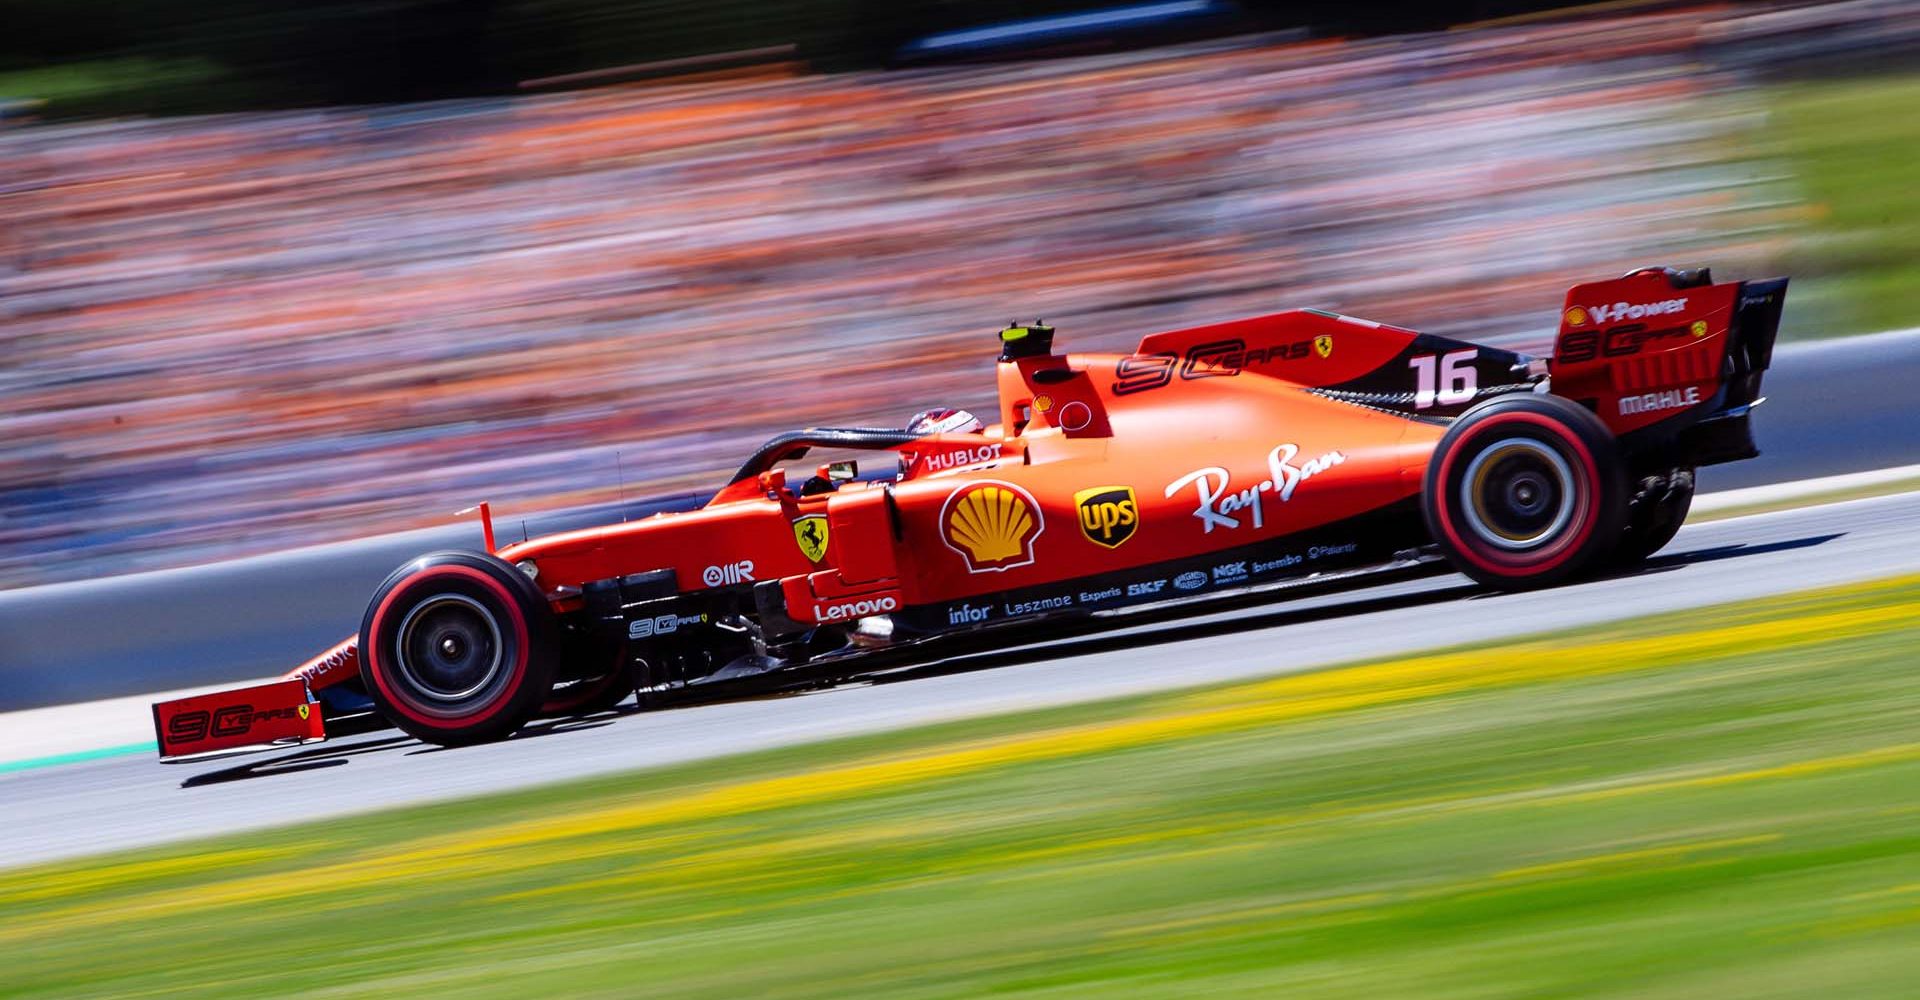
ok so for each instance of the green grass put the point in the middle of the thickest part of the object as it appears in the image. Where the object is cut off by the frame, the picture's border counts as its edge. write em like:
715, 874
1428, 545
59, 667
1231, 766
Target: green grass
110, 86
1719, 803
1854, 145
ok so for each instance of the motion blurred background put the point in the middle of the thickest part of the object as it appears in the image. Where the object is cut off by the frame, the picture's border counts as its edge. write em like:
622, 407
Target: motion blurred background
276, 275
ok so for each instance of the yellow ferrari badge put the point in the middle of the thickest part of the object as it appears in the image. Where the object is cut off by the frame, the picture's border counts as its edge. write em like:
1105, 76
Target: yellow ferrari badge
810, 533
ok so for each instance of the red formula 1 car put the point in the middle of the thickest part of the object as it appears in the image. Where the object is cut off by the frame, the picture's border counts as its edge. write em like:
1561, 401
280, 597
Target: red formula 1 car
1210, 460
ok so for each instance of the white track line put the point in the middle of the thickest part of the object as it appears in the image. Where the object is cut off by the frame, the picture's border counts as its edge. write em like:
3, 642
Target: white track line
86, 727
1775, 492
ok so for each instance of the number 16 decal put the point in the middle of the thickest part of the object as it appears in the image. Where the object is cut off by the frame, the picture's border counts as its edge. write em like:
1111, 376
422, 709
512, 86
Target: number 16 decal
1455, 382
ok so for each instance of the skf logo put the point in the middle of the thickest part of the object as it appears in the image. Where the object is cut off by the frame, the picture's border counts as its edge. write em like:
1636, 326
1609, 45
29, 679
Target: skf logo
810, 533
992, 524
1323, 345
1576, 316
1108, 514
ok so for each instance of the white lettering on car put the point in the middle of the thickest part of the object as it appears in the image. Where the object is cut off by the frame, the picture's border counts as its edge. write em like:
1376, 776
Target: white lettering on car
1221, 506
855, 609
1671, 399
943, 460
1635, 310
734, 572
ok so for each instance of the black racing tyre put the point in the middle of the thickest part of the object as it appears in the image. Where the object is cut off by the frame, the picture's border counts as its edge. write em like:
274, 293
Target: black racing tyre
1653, 522
1525, 491
458, 648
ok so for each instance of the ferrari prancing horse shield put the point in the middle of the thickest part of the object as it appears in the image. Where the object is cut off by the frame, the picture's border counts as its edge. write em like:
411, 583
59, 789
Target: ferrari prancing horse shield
810, 533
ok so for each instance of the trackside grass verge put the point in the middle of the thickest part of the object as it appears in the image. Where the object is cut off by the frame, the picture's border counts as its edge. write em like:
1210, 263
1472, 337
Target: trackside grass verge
1852, 143
1716, 803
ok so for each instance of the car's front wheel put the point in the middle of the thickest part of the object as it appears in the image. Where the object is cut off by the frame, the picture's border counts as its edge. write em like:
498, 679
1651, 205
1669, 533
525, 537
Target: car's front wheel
457, 648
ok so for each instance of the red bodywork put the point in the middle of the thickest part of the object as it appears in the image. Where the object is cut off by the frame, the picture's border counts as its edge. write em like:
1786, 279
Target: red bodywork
1205, 442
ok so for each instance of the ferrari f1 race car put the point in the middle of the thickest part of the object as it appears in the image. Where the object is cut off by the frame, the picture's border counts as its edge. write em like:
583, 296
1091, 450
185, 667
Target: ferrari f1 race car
1212, 460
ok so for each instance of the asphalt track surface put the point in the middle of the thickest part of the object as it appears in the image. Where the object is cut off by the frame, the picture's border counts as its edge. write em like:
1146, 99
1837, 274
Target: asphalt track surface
130, 801
1834, 407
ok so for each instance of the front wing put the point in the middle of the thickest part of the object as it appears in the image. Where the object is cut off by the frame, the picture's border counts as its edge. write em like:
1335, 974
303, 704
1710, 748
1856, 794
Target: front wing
281, 713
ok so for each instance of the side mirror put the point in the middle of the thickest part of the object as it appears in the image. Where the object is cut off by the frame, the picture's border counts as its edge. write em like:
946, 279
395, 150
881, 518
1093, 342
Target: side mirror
841, 472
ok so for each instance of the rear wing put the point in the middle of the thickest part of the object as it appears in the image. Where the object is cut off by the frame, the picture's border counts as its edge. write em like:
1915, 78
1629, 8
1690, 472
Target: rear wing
1669, 360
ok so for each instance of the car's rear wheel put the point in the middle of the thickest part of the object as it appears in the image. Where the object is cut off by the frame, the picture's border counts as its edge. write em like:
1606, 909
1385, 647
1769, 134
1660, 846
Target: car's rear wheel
1525, 491
457, 648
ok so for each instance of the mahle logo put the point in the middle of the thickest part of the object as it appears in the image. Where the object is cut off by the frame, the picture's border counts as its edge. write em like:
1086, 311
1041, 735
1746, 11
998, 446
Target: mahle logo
1109, 515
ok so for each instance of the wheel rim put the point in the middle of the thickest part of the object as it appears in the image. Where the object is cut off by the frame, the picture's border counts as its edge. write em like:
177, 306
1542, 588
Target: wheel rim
1518, 494
449, 648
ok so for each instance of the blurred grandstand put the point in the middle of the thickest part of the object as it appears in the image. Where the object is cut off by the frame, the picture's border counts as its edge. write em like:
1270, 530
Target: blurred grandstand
235, 333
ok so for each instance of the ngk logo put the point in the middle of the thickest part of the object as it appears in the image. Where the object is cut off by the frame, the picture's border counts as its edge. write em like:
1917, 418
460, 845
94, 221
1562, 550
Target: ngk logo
738, 572
1620, 311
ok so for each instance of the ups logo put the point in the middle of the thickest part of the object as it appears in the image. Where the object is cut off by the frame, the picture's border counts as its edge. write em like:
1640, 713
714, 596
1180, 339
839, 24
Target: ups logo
1109, 515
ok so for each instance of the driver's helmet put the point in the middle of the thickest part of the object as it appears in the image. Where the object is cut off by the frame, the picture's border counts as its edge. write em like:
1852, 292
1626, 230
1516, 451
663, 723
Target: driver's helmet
944, 420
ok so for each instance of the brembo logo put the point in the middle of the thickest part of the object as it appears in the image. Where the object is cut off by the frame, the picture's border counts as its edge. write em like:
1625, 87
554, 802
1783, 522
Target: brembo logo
1620, 311
855, 609
736, 572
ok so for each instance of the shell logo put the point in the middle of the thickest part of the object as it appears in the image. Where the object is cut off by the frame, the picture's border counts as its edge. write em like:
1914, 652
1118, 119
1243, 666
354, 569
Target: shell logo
1576, 316
992, 525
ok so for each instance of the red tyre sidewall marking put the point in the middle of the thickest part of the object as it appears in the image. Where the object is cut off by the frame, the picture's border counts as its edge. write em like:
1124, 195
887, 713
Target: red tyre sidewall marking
397, 700
1588, 505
